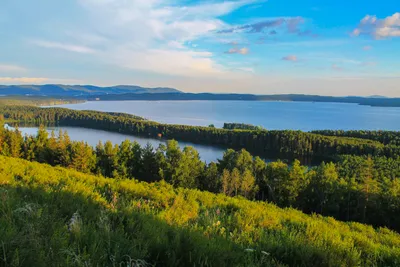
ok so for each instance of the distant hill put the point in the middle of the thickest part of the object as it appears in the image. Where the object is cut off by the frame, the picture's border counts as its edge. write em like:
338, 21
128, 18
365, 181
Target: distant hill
377, 96
132, 92
383, 102
79, 90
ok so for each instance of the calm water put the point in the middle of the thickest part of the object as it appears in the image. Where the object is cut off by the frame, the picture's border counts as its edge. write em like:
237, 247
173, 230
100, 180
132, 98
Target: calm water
92, 137
304, 116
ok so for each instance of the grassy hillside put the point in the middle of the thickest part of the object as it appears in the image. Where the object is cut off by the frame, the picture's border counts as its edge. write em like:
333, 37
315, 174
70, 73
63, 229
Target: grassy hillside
50, 216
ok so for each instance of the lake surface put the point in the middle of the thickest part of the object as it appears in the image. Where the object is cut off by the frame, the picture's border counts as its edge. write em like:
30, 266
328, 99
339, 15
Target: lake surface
92, 137
305, 116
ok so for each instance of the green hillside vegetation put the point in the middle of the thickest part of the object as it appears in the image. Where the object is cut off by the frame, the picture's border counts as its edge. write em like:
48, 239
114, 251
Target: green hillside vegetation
356, 188
52, 216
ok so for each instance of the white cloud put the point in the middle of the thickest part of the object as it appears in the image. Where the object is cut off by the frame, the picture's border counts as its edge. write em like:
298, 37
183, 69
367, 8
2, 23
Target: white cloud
367, 48
168, 61
379, 28
11, 68
154, 35
67, 47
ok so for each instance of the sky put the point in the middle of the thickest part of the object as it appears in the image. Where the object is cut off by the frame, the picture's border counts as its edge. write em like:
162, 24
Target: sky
328, 47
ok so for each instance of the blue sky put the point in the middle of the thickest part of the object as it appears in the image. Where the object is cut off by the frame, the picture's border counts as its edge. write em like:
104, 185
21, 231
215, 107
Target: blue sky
248, 46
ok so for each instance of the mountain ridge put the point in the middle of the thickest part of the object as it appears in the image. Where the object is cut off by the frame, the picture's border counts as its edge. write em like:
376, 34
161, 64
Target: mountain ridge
79, 90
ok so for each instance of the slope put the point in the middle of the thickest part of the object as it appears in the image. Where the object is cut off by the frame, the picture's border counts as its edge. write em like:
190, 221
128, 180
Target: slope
50, 216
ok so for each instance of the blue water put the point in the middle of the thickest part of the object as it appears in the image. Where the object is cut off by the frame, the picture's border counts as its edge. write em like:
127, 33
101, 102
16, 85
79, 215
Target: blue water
92, 137
304, 116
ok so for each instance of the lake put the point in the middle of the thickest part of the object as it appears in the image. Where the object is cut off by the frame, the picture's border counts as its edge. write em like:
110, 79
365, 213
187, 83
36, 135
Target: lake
305, 116
92, 137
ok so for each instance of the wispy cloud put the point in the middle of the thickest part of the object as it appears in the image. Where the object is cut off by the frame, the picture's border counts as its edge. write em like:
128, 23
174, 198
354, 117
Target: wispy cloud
367, 48
379, 28
291, 58
369, 64
11, 68
245, 69
63, 46
242, 51
292, 26
311, 43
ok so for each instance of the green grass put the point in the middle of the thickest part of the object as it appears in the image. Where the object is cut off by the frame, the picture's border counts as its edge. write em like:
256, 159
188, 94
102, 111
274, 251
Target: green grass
50, 216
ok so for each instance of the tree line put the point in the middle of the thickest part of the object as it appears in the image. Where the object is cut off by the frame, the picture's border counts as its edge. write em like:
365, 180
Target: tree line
384, 137
241, 126
307, 147
356, 188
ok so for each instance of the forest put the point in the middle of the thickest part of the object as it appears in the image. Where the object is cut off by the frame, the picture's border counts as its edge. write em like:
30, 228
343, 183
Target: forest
384, 137
241, 126
131, 205
305, 146
355, 188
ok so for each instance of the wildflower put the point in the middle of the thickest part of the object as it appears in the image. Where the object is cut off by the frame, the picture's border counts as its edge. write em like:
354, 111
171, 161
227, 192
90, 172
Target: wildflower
75, 223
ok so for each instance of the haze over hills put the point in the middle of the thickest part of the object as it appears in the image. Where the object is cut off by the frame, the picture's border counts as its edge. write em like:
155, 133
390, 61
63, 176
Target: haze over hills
370, 101
79, 90
133, 92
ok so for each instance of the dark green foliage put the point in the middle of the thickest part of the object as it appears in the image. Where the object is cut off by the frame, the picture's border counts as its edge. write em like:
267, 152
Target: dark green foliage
241, 126
385, 137
363, 189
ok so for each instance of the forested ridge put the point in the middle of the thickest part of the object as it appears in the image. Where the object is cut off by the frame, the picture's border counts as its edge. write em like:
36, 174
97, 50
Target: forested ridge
355, 188
284, 144
385, 137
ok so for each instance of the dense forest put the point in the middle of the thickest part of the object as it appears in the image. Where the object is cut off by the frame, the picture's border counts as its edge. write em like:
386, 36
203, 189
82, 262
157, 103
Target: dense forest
385, 137
241, 126
355, 188
56, 217
307, 147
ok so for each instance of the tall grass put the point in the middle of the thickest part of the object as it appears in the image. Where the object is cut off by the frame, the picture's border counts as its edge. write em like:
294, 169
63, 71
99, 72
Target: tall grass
58, 217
